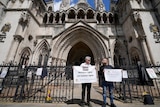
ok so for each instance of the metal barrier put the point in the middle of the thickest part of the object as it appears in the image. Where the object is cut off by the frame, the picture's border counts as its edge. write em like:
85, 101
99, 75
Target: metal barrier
25, 85
132, 89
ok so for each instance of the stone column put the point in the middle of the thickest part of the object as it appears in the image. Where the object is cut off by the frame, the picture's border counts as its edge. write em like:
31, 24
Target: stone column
145, 50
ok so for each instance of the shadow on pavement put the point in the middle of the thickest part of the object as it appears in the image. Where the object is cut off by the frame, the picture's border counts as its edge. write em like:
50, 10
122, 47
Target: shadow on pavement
74, 101
99, 102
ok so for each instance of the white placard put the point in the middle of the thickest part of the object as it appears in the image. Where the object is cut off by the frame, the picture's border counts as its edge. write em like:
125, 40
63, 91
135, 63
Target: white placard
125, 74
151, 73
113, 75
4, 72
39, 71
84, 75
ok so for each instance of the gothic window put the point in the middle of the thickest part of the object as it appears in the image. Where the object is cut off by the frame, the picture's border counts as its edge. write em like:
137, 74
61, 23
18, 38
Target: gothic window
51, 18
45, 18
63, 18
110, 18
81, 14
98, 18
57, 18
90, 14
24, 58
43, 56
72, 14
104, 18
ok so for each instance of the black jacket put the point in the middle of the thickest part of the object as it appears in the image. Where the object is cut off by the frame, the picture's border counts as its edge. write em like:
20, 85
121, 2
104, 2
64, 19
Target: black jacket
101, 73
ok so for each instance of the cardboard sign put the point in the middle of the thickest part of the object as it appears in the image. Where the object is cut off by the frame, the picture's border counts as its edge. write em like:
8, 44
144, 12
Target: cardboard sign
84, 75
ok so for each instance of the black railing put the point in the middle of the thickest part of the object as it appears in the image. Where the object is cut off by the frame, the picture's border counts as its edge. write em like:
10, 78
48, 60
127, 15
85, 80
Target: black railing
25, 85
56, 85
132, 88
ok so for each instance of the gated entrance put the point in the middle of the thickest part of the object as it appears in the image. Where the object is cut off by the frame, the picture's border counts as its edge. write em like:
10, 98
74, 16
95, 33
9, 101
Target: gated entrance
28, 85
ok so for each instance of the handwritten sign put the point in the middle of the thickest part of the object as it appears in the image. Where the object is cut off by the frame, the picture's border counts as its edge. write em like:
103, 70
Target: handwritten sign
151, 73
113, 75
84, 75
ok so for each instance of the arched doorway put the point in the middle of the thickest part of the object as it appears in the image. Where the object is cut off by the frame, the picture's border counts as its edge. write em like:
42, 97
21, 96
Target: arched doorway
77, 54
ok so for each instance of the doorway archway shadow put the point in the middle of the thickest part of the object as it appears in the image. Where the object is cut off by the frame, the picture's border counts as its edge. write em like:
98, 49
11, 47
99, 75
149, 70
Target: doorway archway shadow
78, 53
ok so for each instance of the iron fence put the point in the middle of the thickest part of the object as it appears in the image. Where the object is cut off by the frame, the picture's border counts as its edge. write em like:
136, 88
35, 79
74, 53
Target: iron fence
55, 84
132, 88
33, 84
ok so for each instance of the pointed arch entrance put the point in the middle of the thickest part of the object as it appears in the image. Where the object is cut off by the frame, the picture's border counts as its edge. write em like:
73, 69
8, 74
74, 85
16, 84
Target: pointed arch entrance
77, 54
75, 43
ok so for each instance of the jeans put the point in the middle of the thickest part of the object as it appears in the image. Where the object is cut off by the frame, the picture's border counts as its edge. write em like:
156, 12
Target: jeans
110, 87
84, 85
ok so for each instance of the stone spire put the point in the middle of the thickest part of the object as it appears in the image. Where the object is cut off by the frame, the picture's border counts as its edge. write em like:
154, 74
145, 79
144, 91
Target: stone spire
99, 5
65, 5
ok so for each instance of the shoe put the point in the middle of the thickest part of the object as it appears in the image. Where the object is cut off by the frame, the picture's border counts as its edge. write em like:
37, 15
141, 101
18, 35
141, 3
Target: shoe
113, 105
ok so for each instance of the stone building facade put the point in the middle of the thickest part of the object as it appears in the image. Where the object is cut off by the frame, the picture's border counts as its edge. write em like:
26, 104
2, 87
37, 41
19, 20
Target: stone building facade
37, 35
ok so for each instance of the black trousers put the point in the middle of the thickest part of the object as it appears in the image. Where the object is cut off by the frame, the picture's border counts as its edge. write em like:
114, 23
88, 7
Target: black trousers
84, 85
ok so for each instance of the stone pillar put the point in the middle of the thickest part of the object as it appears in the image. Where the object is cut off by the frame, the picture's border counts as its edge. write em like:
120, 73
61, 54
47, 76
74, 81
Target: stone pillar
145, 50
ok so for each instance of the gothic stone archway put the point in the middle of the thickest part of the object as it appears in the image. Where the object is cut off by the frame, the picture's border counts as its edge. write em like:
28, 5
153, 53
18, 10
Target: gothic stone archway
78, 38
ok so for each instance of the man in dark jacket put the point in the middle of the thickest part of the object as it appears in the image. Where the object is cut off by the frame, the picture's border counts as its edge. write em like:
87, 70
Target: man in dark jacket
106, 84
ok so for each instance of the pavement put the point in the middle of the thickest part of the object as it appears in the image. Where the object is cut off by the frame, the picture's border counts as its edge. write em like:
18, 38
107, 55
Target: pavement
96, 101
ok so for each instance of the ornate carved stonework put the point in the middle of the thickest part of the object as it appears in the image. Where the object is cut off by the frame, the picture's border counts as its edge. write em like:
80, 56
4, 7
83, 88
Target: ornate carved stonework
6, 28
25, 17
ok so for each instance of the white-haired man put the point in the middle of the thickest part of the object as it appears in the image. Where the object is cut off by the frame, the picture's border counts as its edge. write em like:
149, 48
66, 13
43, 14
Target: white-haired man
85, 66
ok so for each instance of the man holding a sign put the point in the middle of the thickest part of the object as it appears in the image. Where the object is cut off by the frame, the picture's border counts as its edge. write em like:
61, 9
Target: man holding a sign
85, 66
106, 84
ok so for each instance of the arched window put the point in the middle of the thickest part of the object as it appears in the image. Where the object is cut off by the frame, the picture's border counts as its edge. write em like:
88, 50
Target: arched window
45, 18
81, 14
110, 18
24, 58
90, 14
72, 14
104, 18
98, 18
51, 18
63, 18
57, 18
43, 55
